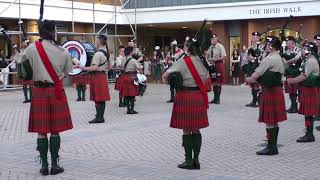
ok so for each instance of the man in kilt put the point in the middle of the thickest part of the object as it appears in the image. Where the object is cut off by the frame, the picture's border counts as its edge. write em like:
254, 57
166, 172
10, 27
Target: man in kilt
80, 80
255, 47
99, 89
49, 111
120, 62
26, 84
191, 102
130, 86
217, 56
272, 104
309, 94
291, 56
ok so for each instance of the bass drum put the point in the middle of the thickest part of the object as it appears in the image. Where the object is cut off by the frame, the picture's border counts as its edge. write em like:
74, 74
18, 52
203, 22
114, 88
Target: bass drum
83, 51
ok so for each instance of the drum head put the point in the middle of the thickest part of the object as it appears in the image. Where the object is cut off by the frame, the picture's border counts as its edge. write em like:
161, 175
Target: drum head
75, 71
76, 50
141, 78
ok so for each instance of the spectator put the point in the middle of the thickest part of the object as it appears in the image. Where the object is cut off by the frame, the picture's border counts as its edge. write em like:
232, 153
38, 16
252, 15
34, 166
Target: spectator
235, 66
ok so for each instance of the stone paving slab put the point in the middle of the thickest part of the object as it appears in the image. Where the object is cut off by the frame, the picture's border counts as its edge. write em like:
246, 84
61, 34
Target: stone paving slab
143, 146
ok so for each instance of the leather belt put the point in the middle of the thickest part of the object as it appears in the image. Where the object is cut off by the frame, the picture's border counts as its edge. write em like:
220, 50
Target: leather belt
185, 88
40, 84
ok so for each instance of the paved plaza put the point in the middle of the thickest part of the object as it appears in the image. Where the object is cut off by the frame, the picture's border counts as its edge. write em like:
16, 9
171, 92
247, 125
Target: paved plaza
143, 147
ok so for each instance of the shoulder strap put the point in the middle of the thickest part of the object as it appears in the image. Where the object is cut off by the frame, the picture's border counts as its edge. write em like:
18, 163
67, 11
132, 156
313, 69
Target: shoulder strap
127, 62
105, 54
47, 64
197, 79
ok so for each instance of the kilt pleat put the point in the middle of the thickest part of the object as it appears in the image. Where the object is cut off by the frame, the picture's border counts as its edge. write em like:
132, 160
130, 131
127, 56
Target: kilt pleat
127, 87
80, 79
99, 89
309, 101
23, 82
272, 105
291, 88
189, 111
219, 67
118, 84
47, 113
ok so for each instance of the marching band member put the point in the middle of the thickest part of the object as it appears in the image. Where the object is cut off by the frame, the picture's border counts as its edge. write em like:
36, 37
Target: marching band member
120, 61
291, 56
317, 42
130, 87
80, 80
272, 104
99, 90
309, 95
49, 111
26, 84
256, 48
217, 56
191, 102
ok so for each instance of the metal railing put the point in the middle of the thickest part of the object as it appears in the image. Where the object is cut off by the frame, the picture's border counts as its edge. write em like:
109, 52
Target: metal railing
6, 87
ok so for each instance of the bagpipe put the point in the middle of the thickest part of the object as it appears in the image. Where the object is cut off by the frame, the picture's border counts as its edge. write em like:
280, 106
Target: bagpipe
250, 67
24, 69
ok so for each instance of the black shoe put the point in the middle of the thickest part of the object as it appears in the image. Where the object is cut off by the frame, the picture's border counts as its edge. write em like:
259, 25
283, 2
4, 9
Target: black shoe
306, 138
268, 151
56, 170
122, 105
83, 99
25, 101
212, 102
79, 99
292, 110
196, 164
185, 165
170, 101
132, 112
255, 105
44, 171
95, 120
318, 128
216, 102
250, 104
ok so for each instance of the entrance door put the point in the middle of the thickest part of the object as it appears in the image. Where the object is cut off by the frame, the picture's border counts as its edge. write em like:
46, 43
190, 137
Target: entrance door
234, 44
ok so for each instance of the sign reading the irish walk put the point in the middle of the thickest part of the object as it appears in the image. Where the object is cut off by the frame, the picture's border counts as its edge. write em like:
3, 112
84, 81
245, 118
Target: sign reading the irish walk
297, 9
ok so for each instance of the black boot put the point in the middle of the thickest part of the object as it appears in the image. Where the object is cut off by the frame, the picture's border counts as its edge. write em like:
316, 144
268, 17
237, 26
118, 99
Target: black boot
318, 128
171, 97
294, 106
254, 98
121, 103
54, 150
271, 148
309, 137
78, 88
131, 106
83, 92
197, 141
217, 95
43, 150
99, 113
25, 93
187, 144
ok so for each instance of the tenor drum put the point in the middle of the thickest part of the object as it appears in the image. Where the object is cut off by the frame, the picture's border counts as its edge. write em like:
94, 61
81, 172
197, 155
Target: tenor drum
83, 51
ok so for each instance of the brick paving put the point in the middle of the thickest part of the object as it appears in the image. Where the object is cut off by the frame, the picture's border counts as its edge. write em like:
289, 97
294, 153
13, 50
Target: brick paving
143, 147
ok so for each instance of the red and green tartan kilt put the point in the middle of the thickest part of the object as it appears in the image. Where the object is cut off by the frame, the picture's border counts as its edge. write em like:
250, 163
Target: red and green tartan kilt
47, 113
28, 82
189, 111
99, 89
208, 84
80, 79
309, 101
291, 88
219, 67
272, 105
118, 84
127, 87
